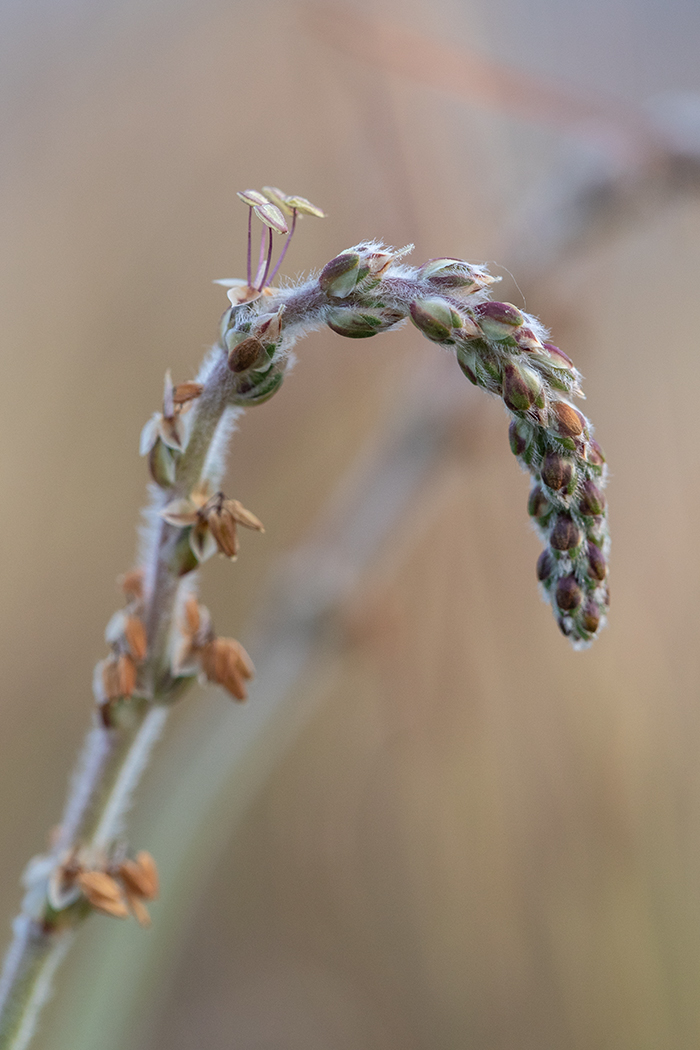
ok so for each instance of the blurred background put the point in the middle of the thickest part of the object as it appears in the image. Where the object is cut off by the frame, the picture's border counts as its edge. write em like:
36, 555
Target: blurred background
433, 825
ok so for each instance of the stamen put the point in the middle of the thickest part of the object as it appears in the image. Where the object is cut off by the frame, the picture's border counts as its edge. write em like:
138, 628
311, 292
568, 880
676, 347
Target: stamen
286, 245
267, 265
250, 239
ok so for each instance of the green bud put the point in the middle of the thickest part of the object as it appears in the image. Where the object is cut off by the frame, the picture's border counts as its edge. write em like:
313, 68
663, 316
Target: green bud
435, 318
355, 323
183, 559
339, 276
161, 463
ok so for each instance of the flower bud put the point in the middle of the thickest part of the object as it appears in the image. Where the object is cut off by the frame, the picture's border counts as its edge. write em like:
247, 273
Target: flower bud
592, 501
435, 318
519, 435
161, 464
556, 471
467, 362
596, 562
339, 276
497, 320
526, 339
246, 355
258, 393
454, 274
537, 504
361, 324
590, 616
565, 535
568, 594
545, 566
559, 357
595, 454
521, 388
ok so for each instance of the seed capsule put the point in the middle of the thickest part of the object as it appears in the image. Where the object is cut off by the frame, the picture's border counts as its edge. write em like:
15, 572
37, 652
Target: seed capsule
565, 534
568, 594
339, 276
556, 471
246, 355
592, 501
569, 422
596, 562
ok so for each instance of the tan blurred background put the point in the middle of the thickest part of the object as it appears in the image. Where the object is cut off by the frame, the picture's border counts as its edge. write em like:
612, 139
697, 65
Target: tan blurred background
455, 832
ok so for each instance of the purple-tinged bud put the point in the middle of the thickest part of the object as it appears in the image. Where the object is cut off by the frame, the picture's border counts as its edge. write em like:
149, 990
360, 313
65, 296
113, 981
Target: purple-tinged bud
545, 566
562, 359
592, 501
521, 388
568, 594
569, 422
435, 318
246, 355
526, 339
453, 274
565, 535
537, 504
519, 435
339, 276
556, 471
596, 562
497, 320
590, 616
595, 454
355, 323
